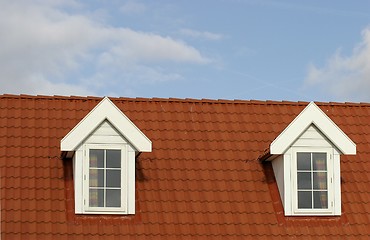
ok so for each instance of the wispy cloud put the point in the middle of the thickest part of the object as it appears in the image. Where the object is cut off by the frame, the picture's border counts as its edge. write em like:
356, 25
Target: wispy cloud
133, 7
147, 47
201, 34
48, 50
346, 77
305, 7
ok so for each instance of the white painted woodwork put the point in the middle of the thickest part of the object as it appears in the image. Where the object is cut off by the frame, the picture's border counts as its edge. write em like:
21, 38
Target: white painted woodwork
312, 130
336, 183
105, 135
312, 137
284, 169
105, 125
288, 179
131, 180
78, 180
312, 114
106, 110
278, 167
293, 208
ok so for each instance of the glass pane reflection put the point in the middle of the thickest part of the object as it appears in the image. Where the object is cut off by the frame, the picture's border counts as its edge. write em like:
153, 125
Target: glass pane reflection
304, 199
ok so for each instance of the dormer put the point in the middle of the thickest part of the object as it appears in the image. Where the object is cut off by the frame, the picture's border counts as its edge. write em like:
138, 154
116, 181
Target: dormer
103, 146
306, 163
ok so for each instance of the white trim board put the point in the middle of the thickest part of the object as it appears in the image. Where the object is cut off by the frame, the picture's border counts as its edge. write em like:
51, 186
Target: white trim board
312, 114
106, 110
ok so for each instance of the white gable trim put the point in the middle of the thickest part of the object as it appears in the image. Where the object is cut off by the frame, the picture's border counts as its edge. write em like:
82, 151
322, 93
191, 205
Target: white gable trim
106, 110
312, 114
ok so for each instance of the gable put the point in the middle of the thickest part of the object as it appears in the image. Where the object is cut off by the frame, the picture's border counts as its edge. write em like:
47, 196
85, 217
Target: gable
106, 110
312, 137
312, 114
105, 133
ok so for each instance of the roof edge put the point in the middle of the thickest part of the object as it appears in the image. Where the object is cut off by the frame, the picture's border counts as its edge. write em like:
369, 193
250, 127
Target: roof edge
222, 101
106, 110
312, 114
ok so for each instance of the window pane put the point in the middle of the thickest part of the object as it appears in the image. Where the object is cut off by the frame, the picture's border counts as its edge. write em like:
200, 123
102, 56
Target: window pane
104, 174
320, 180
114, 178
304, 180
113, 198
304, 199
96, 178
96, 198
320, 199
303, 161
113, 158
319, 161
96, 158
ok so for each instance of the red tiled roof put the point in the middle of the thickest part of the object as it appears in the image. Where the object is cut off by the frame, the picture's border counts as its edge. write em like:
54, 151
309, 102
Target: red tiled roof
203, 179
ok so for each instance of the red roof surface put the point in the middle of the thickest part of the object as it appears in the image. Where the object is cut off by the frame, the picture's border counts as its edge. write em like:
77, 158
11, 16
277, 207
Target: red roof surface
203, 179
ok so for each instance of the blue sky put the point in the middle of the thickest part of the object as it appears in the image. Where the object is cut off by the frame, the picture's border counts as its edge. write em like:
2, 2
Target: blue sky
219, 49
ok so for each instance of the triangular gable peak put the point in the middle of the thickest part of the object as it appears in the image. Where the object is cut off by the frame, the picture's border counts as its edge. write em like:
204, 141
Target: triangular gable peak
312, 114
106, 110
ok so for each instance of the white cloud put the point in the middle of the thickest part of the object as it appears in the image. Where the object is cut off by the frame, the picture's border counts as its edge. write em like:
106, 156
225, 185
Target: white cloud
201, 35
346, 77
146, 47
38, 85
43, 46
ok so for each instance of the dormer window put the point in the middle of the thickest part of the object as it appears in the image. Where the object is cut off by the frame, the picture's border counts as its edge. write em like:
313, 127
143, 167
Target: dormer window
306, 162
103, 146
313, 181
105, 179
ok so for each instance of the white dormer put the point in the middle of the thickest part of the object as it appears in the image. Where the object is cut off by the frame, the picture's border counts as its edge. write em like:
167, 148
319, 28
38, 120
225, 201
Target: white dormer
103, 146
306, 162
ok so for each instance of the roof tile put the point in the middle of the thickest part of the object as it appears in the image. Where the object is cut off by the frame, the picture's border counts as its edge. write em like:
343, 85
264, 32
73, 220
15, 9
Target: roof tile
202, 180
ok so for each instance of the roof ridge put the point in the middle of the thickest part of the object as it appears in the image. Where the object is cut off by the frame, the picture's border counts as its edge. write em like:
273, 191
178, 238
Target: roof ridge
188, 100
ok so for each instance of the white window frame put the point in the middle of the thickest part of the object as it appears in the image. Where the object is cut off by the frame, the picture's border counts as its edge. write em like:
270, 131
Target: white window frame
124, 179
330, 180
